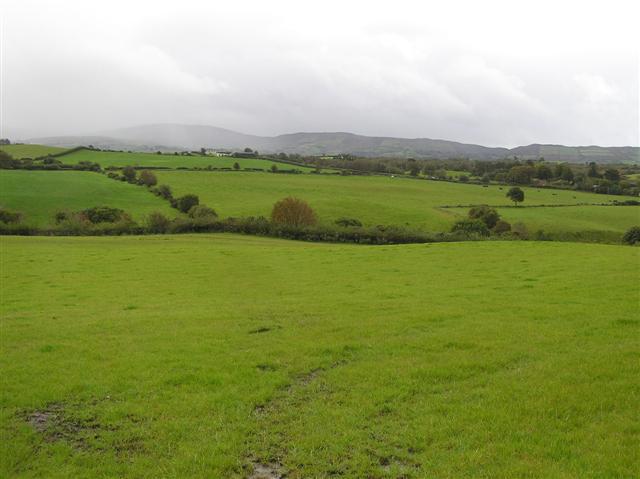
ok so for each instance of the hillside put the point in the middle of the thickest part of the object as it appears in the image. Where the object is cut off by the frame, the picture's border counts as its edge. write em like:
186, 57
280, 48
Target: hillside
172, 137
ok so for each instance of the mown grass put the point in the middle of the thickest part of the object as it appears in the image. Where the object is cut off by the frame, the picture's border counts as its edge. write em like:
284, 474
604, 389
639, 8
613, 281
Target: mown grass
193, 356
39, 195
385, 200
121, 159
30, 151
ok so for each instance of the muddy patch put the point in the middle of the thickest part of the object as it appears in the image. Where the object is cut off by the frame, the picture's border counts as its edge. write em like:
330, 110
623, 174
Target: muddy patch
82, 430
54, 423
266, 471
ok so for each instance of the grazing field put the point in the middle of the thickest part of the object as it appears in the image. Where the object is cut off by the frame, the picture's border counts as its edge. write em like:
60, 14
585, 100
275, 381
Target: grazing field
385, 200
200, 356
30, 151
120, 159
39, 195
575, 218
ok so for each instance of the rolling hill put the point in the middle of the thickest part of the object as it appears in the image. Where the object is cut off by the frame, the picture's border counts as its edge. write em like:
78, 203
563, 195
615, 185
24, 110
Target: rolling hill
175, 136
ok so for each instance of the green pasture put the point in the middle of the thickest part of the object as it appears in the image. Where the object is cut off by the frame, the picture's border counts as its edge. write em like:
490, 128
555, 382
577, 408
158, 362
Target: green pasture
121, 159
386, 200
30, 151
39, 195
196, 356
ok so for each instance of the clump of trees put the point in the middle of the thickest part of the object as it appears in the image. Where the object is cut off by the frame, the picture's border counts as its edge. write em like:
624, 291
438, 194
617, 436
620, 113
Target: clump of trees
470, 227
489, 216
293, 212
95, 220
482, 221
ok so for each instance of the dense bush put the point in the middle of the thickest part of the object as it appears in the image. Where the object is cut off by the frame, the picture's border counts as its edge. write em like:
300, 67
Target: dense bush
293, 212
103, 214
202, 211
632, 235
163, 191
186, 202
501, 227
9, 217
470, 227
348, 222
129, 173
158, 223
147, 178
489, 216
520, 231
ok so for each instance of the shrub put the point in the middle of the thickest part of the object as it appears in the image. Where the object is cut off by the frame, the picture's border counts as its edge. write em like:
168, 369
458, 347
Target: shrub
129, 173
148, 178
489, 216
186, 202
348, 222
501, 227
632, 235
158, 223
236, 166
61, 216
202, 211
293, 212
74, 224
519, 230
470, 227
9, 217
164, 191
103, 214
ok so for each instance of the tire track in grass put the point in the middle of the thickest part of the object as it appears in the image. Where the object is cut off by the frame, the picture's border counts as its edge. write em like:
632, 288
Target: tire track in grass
272, 468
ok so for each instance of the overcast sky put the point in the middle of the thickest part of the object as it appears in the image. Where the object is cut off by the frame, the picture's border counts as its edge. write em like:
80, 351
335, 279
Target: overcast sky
487, 72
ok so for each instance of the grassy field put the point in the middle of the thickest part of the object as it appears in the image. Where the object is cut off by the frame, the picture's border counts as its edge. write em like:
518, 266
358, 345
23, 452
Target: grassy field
196, 356
119, 159
41, 194
30, 151
385, 200
574, 219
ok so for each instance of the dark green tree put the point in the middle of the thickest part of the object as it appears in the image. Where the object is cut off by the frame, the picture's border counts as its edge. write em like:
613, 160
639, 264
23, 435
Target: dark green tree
516, 195
186, 202
489, 216
612, 174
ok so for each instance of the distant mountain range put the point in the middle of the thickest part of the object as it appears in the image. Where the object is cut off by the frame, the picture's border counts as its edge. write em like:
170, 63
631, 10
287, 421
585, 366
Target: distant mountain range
170, 137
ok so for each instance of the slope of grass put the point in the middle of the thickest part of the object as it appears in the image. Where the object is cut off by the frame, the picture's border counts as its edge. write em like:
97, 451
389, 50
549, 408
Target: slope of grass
40, 194
120, 159
194, 356
30, 151
574, 219
385, 200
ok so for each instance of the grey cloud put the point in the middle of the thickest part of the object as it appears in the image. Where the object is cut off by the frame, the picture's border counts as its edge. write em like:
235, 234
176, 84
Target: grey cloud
461, 72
